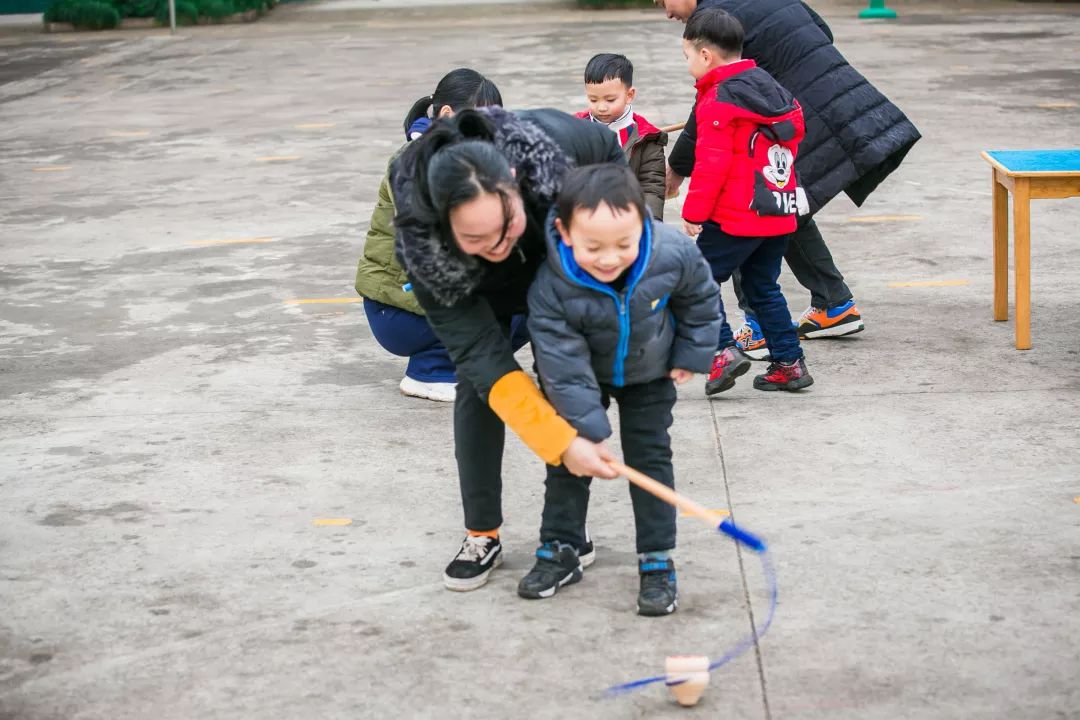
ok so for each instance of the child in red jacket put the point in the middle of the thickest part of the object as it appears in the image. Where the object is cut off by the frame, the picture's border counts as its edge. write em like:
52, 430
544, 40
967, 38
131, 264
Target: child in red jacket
744, 195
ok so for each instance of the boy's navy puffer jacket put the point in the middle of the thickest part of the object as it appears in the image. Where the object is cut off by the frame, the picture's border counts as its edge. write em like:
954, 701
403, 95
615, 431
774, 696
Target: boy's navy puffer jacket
586, 334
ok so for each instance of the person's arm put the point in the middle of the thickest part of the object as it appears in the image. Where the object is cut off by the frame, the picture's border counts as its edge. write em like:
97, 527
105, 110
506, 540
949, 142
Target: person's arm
695, 304
713, 155
819, 22
681, 158
564, 363
652, 176
484, 356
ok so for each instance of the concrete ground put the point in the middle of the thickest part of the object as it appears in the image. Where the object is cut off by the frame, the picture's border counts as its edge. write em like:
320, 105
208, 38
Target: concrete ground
173, 425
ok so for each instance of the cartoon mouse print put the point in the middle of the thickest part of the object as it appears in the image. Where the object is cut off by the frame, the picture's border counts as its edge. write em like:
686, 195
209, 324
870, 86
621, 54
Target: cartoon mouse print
778, 171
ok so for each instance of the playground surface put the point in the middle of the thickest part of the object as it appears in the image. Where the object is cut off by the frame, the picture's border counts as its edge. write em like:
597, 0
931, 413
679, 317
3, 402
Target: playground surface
215, 504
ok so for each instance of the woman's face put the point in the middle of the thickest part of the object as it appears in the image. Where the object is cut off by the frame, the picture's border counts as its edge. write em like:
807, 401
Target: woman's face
478, 225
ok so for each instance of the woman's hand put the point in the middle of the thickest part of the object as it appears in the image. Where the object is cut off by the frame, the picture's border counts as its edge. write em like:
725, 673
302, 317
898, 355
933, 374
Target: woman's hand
691, 229
588, 459
681, 376
673, 181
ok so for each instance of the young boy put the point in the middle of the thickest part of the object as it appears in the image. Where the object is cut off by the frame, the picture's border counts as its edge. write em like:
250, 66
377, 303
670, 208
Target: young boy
623, 308
742, 201
610, 91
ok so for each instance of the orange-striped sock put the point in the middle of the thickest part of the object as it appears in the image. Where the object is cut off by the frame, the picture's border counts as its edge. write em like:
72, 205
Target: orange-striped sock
493, 534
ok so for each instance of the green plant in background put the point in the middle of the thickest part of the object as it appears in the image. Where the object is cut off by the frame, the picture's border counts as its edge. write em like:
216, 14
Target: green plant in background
106, 14
88, 14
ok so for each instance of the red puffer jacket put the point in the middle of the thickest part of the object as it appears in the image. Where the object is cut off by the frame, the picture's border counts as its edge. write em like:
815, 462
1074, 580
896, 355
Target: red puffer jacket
748, 133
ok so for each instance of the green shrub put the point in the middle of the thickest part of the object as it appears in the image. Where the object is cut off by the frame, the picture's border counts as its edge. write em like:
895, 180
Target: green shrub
186, 13
84, 14
215, 8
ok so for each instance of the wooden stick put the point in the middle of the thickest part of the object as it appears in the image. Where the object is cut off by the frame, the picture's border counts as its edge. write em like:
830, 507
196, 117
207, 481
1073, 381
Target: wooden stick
666, 494
673, 128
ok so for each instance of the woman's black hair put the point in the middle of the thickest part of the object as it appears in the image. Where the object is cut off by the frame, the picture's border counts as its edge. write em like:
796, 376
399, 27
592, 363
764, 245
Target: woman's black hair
454, 162
460, 89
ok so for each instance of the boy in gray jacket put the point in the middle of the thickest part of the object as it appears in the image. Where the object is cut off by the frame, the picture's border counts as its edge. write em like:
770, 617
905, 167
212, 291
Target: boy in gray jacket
623, 308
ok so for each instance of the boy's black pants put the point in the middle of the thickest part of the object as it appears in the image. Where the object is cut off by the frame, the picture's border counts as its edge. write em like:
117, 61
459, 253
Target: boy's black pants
644, 420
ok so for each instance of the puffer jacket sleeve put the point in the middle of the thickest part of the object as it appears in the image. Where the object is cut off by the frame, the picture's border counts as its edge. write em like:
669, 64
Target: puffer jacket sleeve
695, 304
681, 158
651, 174
819, 22
714, 153
563, 359
484, 356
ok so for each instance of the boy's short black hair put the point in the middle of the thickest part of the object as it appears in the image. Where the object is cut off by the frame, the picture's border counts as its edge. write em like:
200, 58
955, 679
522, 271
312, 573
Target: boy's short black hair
586, 188
609, 66
716, 27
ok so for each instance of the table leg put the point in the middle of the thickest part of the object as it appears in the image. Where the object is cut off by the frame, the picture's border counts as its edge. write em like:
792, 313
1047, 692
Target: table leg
1001, 250
1022, 249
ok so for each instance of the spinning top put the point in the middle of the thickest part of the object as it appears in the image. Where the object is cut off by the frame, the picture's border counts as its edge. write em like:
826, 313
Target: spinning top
687, 676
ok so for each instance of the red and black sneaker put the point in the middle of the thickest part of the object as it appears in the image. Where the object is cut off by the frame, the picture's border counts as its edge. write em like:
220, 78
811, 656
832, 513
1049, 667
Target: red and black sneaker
727, 364
785, 376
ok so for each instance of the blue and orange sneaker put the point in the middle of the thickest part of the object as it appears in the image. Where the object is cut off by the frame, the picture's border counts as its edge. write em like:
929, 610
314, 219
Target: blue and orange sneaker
830, 322
751, 341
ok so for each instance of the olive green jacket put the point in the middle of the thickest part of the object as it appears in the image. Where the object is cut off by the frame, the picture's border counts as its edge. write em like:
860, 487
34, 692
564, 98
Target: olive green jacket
379, 276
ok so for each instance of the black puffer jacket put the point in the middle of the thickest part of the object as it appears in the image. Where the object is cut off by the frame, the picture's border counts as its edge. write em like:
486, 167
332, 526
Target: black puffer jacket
586, 334
855, 137
468, 299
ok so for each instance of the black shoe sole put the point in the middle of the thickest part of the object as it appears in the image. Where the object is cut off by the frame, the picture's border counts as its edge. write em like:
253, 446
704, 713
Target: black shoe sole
844, 329
736, 372
793, 386
572, 577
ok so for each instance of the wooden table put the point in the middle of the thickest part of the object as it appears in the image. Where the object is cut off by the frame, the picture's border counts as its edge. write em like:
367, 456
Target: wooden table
1028, 175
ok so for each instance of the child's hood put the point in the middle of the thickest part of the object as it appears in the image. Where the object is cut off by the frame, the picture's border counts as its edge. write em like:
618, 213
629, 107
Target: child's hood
752, 92
560, 256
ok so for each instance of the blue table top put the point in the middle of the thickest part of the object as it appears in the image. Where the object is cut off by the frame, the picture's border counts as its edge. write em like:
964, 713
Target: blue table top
1028, 161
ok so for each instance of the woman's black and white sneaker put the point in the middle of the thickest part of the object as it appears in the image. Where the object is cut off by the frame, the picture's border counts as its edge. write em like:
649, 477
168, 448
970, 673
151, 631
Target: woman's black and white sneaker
469, 569
557, 564
658, 594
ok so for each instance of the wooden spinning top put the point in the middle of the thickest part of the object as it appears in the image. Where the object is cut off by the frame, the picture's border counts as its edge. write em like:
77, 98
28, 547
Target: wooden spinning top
687, 677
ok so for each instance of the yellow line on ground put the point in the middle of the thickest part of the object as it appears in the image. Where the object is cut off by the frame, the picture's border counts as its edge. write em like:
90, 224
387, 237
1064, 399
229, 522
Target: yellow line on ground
315, 126
1056, 105
930, 283
717, 513
883, 218
53, 168
129, 133
231, 241
277, 158
322, 301
332, 522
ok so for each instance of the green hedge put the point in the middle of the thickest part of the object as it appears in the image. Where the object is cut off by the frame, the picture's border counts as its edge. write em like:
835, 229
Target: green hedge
106, 14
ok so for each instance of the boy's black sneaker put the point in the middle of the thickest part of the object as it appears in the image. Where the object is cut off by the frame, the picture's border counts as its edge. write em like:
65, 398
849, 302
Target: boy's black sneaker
469, 569
586, 553
727, 364
785, 376
659, 593
556, 565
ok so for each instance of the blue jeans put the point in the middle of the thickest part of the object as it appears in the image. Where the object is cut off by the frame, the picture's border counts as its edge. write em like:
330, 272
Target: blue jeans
758, 261
407, 334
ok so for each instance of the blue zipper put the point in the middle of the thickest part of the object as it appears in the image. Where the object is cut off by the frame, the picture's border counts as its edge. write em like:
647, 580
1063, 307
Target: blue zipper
622, 302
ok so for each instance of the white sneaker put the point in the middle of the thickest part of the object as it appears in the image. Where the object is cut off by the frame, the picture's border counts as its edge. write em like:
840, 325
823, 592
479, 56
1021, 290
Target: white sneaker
439, 392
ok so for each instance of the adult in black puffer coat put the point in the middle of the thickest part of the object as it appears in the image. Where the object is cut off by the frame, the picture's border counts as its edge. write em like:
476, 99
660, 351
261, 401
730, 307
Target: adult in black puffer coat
855, 137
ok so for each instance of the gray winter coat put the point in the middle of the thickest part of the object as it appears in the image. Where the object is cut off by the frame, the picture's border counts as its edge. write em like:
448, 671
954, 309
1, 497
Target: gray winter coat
585, 334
